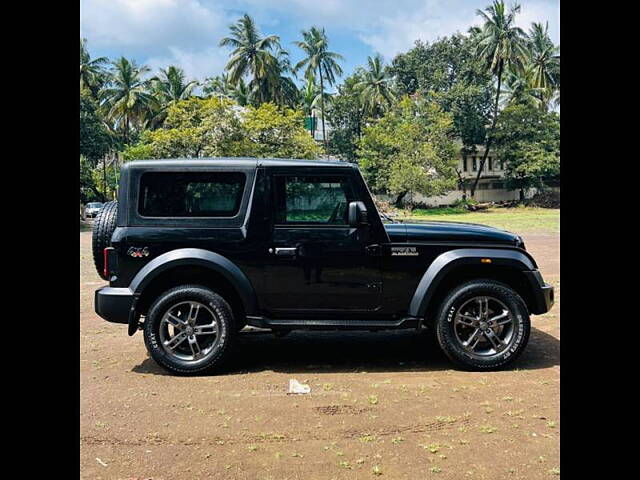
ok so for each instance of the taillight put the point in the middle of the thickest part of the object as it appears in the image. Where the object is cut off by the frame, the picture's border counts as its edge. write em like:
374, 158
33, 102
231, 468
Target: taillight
105, 268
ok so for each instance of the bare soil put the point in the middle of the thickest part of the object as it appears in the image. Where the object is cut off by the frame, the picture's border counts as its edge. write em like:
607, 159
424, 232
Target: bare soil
382, 405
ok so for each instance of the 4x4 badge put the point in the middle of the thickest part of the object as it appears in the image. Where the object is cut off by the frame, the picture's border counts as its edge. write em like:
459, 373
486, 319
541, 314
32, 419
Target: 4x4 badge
136, 252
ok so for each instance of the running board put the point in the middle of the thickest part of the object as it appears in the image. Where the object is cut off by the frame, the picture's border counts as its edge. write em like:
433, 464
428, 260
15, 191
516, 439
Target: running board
264, 322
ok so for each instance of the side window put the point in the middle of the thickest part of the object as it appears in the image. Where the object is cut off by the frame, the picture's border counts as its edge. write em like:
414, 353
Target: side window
314, 200
193, 194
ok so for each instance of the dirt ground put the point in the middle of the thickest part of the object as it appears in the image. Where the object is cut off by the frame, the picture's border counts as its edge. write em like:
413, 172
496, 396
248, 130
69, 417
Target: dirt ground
382, 405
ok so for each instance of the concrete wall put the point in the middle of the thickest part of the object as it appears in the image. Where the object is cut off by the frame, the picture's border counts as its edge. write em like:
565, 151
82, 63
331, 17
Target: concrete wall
482, 196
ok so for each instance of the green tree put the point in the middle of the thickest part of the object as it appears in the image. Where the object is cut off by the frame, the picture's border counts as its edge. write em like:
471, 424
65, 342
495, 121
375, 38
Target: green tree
88, 190
319, 61
214, 127
500, 44
167, 88
277, 132
410, 149
448, 72
377, 94
253, 56
126, 101
347, 115
527, 139
95, 140
92, 72
544, 63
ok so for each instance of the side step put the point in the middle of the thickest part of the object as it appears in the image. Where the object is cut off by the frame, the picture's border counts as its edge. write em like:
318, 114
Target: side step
264, 322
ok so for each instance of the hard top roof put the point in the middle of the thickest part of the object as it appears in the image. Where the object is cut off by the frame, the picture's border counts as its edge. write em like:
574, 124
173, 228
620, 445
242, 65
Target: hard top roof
242, 162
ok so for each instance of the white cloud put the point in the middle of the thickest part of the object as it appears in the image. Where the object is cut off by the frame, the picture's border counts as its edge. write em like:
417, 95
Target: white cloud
196, 64
150, 24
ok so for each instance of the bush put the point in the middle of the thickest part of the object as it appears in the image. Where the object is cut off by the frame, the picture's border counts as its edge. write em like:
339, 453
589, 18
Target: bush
545, 199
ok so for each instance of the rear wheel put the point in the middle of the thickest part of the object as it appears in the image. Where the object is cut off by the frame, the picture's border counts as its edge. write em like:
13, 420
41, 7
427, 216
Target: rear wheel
483, 325
189, 329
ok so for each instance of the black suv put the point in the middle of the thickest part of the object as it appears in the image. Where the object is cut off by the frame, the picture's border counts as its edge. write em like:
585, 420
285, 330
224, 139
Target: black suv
201, 248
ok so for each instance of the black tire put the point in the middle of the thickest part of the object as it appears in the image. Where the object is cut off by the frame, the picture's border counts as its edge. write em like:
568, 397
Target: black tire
516, 333
217, 306
103, 227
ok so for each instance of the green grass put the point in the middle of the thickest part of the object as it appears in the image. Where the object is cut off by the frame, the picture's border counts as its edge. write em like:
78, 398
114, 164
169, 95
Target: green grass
520, 219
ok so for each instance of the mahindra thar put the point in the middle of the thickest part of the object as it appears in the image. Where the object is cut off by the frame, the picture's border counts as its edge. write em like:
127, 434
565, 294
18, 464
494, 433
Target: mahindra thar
196, 249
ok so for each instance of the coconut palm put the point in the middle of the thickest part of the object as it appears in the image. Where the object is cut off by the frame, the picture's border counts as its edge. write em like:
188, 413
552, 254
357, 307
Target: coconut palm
92, 73
319, 60
309, 98
544, 61
500, 44
172, 86
167, 88
377, 95
252, 55
126, 100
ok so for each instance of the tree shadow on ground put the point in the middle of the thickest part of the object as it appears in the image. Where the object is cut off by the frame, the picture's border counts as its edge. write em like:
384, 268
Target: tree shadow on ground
348, 352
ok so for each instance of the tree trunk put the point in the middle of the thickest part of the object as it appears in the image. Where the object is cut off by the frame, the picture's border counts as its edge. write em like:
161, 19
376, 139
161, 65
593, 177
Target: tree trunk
490, 136
521, 194
399, 199
324, 134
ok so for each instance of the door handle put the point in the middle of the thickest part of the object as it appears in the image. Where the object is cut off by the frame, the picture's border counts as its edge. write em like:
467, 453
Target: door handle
287, 252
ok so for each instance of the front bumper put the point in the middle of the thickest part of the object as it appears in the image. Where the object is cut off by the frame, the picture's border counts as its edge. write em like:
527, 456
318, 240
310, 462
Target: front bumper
115, 305
543, 294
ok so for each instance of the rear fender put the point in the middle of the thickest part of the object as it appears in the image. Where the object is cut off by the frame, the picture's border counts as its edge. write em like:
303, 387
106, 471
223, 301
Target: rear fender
203, 258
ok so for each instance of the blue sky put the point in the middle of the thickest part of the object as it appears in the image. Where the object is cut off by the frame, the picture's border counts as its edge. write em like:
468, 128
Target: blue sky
186, 33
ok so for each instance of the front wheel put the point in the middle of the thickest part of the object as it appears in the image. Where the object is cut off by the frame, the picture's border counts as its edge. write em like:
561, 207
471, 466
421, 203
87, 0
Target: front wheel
483, 325
189, 329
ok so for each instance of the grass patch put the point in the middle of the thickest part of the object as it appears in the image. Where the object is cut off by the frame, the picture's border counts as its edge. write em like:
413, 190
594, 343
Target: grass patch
513, 219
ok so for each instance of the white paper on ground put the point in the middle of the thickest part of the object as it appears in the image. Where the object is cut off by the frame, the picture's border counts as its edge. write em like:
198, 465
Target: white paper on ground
297, 387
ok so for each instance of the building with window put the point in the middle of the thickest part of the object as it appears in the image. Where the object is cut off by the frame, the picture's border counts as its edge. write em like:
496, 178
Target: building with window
491, 186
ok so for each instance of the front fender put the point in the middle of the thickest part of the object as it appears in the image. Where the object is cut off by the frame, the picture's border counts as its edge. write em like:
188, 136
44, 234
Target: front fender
447, 261
200, 257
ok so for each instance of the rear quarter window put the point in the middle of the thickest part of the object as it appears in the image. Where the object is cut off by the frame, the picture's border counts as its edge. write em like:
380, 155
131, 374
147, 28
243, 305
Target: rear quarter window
190, 194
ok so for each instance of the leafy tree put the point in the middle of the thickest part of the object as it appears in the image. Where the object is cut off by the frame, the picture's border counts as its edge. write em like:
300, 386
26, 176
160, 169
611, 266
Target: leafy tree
447, 71
410, 149
377, 94
126, 100
95, 140
500, 45
319, 60
253, 56
92, 73
277, 132
216, 127
527, 139
168, 87
347, 115
544, 63
88, 189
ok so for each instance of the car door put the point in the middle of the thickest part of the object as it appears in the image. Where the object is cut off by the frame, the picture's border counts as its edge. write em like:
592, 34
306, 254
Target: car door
317, 264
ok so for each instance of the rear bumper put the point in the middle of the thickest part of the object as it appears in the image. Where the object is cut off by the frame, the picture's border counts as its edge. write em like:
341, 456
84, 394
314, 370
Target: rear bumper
543, 295
115, 305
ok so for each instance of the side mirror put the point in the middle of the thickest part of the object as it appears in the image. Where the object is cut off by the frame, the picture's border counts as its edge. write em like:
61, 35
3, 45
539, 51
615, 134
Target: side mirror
358, 214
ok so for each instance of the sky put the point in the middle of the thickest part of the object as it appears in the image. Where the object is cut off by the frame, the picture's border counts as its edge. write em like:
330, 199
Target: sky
186, 33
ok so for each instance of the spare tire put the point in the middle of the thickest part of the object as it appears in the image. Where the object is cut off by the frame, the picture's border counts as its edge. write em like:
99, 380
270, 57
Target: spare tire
103, 227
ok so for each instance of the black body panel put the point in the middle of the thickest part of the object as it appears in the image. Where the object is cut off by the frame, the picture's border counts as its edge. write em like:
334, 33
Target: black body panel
331, 275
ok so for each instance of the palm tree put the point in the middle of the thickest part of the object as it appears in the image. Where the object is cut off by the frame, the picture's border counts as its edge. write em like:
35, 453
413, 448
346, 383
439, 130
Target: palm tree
252, 55
126, 100
168, 88
92, 73
377, 95
544, 62
309, 97
319, 59
499, 45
